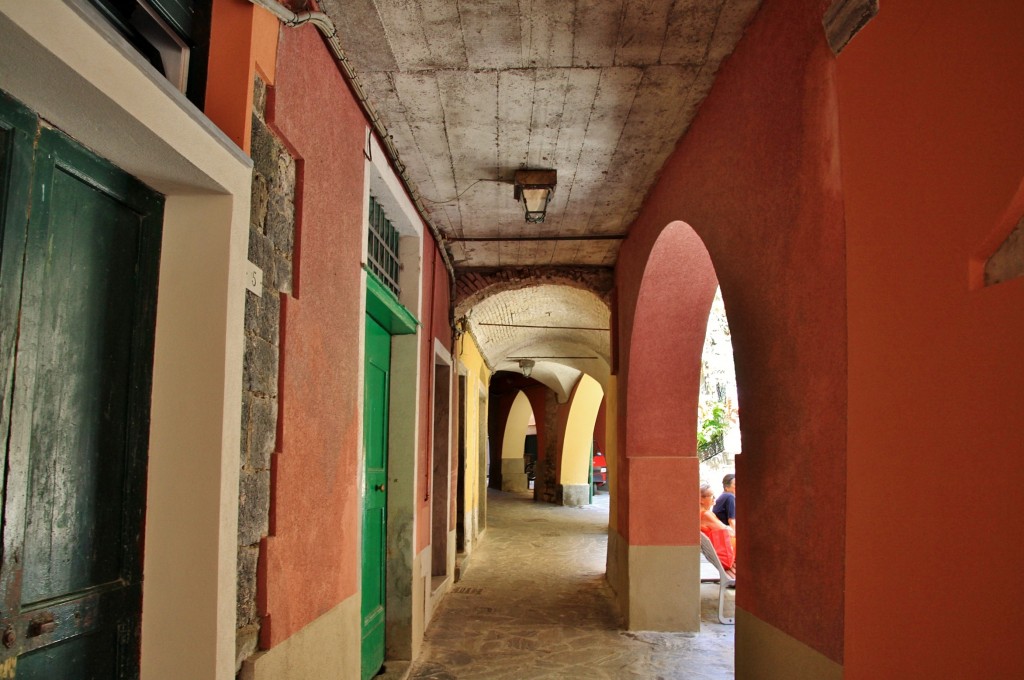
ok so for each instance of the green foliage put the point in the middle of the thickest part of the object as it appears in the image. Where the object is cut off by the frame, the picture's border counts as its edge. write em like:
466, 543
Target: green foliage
713, 421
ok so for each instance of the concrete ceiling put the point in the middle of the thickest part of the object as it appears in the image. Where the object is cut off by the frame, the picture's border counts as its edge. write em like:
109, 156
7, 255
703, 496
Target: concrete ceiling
598, 90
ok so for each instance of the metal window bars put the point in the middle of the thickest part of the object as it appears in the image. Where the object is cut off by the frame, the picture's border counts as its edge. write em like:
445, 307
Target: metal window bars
382, 247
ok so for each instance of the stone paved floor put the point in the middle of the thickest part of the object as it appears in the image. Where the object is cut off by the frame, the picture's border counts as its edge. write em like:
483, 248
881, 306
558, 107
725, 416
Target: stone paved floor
533, 603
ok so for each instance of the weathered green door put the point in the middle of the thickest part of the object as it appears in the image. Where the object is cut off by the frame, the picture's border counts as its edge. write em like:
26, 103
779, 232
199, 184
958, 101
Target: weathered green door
375, 444
78, 290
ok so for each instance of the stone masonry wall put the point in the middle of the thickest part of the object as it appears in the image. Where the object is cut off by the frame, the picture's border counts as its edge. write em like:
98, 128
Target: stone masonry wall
271, 241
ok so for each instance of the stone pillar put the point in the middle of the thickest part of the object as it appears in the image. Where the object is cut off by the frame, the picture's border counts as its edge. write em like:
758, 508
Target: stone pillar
663, 554
575, 495
546, 483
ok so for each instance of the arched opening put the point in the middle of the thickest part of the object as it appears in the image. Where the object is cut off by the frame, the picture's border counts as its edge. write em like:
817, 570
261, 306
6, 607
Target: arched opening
718, 426
513, 467
654, 550
578, 442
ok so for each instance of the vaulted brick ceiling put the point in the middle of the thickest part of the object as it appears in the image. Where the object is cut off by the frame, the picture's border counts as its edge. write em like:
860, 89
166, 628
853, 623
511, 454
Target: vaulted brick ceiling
598, 90
564, 330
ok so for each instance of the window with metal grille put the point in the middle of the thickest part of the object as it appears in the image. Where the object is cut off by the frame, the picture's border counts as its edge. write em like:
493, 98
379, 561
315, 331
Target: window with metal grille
382, 247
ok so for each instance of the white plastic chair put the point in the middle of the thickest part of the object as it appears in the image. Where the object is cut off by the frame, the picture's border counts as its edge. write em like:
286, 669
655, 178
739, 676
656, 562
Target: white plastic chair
724, 580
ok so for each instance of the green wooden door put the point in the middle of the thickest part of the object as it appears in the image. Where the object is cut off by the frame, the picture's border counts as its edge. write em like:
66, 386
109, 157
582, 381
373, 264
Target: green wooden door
79, 268
375, 445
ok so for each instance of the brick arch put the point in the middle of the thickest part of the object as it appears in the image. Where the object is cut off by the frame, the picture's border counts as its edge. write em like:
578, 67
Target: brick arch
475, 285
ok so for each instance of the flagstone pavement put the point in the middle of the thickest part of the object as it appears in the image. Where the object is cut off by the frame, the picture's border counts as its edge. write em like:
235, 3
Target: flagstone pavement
533, 603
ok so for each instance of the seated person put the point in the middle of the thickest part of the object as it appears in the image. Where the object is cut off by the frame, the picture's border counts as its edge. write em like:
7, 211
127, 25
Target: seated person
712, 526
725, 506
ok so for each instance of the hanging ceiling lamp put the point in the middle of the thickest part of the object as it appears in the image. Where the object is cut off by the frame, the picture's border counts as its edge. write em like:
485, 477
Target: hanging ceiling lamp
526, 366
534, 189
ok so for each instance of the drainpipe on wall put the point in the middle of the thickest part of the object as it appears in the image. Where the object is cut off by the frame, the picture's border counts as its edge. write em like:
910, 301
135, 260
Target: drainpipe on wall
330, 33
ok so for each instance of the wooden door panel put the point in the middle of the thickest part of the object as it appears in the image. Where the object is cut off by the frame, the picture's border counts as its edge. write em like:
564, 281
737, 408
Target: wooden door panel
94, 657
376, 400
76, 404
105, 648
17, 130
85, 259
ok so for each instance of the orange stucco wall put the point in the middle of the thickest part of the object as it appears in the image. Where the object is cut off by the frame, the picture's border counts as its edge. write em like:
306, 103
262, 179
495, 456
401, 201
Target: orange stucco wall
757, 177
931, 105
316, 494
243, 41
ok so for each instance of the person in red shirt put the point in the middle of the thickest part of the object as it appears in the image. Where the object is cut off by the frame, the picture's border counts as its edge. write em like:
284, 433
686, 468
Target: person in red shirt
721, 535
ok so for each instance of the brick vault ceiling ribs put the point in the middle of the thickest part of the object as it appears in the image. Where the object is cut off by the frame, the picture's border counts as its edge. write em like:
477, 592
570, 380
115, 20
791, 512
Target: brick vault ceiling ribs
599, 90
542, 322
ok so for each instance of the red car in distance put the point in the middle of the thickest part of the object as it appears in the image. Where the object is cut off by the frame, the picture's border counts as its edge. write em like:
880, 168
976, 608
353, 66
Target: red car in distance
600, 469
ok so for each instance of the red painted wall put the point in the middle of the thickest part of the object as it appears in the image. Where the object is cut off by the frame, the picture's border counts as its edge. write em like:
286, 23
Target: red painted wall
315, 503
757, 177
601, 426
434, 318
661, 378
931, 106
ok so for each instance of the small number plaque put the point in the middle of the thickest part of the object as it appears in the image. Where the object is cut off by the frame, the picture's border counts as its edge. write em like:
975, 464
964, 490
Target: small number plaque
254, 279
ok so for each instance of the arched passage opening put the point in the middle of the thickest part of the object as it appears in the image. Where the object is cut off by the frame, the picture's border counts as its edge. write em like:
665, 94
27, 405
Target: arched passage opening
513, 468
654, 550
578, 441
718, 426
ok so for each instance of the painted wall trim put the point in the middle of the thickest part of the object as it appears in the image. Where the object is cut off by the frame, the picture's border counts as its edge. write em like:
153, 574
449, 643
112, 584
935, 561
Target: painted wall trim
664, 588
763, 652
326, 648
91, 16
401, 636
441, 352
385, 309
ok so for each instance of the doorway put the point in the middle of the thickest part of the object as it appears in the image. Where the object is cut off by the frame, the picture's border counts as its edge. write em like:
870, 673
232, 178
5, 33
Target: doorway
80, 258
376, 400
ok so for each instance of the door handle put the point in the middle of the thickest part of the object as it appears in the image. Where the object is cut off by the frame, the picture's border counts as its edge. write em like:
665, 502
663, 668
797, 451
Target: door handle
380, 487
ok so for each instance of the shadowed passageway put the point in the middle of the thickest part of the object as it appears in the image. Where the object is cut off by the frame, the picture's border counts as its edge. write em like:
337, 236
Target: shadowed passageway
533, 603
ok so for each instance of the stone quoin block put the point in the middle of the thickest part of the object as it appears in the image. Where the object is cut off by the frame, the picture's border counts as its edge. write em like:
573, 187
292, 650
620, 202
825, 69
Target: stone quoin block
261, 360
253, 506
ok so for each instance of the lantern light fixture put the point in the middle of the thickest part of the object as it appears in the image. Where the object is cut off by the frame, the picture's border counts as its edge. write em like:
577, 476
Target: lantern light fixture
526, 366
534, 189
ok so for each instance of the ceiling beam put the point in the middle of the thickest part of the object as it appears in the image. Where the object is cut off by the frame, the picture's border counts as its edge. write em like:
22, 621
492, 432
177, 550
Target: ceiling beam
482, 239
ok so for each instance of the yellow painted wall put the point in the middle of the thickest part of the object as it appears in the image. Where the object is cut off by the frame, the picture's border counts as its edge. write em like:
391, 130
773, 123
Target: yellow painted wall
478, 378
579, 431
513, 443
